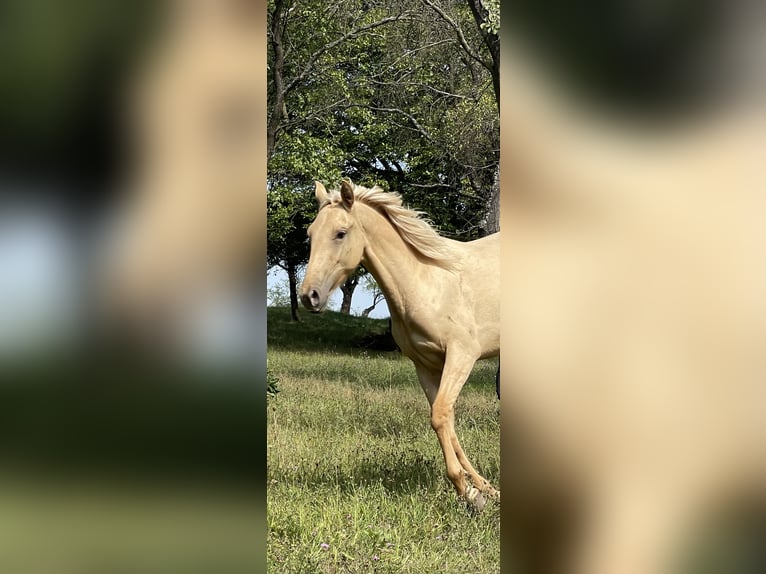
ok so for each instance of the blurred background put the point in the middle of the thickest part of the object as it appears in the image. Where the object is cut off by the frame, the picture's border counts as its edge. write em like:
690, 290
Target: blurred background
636, 68
130, 439
657, 60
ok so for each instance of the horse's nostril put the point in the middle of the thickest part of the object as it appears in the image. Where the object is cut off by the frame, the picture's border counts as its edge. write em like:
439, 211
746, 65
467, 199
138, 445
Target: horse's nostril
310, 300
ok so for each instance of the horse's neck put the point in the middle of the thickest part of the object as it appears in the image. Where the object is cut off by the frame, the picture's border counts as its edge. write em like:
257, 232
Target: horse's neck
398, 271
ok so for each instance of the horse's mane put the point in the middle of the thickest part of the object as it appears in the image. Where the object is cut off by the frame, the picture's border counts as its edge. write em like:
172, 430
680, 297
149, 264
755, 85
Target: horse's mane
410, 224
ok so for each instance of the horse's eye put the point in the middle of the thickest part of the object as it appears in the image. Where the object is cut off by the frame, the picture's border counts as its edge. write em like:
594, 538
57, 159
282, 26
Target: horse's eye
340, 235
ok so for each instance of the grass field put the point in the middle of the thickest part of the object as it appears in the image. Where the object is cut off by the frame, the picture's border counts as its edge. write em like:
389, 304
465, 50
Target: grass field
356, 478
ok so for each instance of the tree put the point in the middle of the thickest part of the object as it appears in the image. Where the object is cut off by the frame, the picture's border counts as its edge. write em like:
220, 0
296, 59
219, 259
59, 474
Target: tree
278, 295
377, 295
288, 212
433, 127
387, 95
486, 15
304, 42
347, 288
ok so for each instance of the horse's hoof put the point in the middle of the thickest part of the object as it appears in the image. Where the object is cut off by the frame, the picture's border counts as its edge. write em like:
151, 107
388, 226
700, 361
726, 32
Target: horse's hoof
479, 502
493, 494
475, 499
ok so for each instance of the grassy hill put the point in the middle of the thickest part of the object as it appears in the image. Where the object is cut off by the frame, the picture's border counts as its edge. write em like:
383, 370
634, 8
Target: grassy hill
330, 330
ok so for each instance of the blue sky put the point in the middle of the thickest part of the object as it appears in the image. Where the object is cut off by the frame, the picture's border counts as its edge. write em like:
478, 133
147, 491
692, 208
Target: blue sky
361, 299
37, 278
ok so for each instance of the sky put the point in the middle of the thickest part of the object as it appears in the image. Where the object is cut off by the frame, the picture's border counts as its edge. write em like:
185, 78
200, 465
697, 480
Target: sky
360, 300
37, 282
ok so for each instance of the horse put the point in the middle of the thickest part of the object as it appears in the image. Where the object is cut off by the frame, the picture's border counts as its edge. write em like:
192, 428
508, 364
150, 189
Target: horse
443, 296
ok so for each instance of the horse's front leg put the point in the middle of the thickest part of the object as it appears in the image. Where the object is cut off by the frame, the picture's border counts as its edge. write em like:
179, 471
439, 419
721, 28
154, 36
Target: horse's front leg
429, 380
457, 366
484, 486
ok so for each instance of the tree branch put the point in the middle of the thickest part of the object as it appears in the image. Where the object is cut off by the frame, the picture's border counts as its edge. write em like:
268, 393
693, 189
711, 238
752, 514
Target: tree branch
459, 33
492, 41
327, 47
424, 86
409, 116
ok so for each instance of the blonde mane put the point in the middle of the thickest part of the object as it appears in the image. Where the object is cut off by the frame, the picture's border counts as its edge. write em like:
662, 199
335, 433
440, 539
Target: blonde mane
412, 227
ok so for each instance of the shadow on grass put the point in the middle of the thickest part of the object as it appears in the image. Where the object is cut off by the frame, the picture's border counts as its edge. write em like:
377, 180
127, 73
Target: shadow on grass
327, 332
405, 473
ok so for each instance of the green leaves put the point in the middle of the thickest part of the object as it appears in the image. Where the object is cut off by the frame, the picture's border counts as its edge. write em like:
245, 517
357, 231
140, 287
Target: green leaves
385, 95
492, 13
273, 385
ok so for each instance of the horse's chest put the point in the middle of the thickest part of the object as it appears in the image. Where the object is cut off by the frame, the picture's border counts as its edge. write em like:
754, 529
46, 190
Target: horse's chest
417, 344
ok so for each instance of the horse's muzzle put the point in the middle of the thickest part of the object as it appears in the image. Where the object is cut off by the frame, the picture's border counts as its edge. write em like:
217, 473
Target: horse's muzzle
312, 301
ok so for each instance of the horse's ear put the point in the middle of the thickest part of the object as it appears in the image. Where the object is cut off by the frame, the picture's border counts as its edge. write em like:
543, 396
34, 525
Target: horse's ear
321, 192
347, 193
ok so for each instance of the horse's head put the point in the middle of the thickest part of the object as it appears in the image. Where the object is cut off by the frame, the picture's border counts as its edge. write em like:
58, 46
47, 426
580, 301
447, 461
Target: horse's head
337, 244
194, 211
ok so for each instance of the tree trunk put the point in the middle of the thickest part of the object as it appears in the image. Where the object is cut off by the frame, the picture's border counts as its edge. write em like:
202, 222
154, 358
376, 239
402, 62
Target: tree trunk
377, 298
492, 41
277, 71
493, 207
348, 291
292, 273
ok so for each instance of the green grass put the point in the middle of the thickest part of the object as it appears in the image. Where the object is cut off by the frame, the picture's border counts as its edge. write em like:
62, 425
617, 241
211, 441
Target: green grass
356, 478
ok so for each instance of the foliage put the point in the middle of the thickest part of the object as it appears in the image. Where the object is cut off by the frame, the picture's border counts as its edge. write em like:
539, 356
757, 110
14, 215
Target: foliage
277, 294
384, 93
291, 204
272, 383
492, 22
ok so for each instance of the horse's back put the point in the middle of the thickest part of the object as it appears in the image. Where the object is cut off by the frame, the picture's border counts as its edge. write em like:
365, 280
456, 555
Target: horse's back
482, 259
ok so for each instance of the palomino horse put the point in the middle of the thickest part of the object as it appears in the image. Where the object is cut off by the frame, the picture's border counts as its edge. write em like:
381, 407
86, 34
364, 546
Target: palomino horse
443, 296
